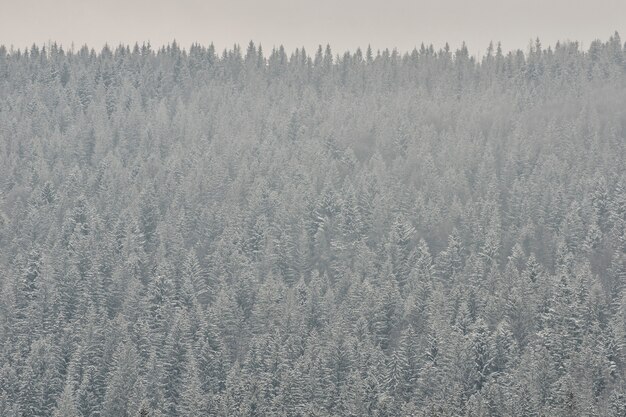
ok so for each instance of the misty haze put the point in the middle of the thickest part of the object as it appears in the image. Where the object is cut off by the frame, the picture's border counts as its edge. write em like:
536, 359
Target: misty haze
272, 231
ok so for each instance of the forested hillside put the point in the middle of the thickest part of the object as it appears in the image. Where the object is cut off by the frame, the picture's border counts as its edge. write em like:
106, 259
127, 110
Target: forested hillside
185, 232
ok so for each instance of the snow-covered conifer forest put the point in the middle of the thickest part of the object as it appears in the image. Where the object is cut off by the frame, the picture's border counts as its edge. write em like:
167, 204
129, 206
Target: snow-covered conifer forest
256, 232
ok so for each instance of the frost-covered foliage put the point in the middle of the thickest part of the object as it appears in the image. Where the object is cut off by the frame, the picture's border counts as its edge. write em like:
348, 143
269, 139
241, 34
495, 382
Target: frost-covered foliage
185, 233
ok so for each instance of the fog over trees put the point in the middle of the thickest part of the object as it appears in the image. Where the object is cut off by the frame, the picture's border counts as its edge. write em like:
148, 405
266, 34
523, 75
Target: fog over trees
254, 232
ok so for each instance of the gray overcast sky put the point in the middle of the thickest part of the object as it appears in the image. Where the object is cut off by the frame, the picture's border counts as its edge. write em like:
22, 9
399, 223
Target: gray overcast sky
345, 24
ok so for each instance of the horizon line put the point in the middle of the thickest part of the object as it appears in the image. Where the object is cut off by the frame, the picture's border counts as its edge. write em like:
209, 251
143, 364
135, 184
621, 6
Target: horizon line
533, 41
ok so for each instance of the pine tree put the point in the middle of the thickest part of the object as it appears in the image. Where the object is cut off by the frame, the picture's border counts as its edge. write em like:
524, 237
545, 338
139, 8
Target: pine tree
121, 382
450, 261
193, 399
66, 406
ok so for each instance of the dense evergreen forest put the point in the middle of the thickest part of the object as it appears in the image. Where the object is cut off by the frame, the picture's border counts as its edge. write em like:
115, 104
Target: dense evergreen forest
185, 232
